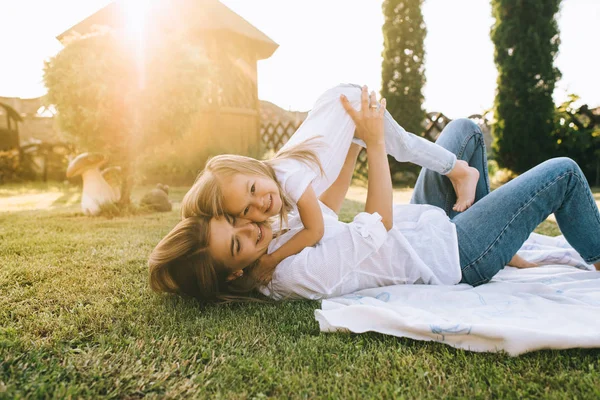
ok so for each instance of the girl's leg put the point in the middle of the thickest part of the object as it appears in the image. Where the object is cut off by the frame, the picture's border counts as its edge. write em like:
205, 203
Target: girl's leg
408, 147
405, 146
333, 125
494, 228
463, 138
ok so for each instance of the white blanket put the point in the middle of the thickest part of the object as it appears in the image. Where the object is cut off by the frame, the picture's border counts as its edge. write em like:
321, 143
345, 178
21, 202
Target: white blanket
555, 306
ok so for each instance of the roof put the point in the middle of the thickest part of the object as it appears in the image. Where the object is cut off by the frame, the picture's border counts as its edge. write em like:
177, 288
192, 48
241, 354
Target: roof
12, 113
23, 106
207, 15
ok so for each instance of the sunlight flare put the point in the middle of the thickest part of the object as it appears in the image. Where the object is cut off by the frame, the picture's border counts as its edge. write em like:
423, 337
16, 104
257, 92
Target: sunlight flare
136, 13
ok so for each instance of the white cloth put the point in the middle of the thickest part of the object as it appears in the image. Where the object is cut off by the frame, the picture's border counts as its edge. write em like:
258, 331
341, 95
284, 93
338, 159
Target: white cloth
520, 310
333, 125
422, 247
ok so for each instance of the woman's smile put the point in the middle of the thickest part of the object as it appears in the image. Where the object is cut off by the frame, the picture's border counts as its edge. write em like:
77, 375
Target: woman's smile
260, 234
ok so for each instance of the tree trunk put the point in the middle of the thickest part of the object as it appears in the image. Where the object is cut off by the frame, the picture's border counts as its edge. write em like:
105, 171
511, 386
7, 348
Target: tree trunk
126, 183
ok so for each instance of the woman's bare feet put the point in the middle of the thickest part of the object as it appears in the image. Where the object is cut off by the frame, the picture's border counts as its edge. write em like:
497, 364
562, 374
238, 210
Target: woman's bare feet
464, 180
520, 262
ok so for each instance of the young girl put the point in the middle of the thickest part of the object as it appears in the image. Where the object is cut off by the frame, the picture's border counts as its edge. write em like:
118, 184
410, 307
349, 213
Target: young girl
306, 166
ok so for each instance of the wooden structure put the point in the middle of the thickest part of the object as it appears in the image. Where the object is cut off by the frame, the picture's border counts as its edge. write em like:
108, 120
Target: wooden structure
230, 114
9, 128
37, 122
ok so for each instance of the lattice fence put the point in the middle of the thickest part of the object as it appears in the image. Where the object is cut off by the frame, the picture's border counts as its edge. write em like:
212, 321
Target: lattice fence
275, 135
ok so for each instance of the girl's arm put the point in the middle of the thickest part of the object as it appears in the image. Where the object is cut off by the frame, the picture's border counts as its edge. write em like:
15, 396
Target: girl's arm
334, 196
312, 219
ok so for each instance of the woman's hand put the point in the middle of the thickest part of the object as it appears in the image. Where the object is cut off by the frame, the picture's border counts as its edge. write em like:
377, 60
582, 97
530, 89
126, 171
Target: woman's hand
369, 119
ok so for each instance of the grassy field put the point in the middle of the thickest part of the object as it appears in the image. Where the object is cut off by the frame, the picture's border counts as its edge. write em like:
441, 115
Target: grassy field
77, 320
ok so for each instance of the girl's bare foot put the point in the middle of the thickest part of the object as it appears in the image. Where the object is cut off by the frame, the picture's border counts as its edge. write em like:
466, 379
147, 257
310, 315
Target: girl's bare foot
597, 265
520, 262
464, 180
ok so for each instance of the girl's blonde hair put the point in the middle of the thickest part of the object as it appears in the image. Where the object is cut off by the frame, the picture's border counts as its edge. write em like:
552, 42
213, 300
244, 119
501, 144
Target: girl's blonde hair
181, 264
205, 197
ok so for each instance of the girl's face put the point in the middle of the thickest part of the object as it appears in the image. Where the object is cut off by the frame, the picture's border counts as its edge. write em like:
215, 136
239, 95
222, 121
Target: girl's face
252, 197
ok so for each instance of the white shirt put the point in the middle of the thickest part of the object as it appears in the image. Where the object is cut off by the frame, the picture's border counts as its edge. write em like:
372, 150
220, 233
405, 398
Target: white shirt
422, 247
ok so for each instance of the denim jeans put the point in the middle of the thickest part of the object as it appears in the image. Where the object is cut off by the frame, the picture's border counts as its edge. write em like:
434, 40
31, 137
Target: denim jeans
493, 229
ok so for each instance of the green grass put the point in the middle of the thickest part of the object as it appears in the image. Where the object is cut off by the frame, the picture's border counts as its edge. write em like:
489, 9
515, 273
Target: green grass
77, 320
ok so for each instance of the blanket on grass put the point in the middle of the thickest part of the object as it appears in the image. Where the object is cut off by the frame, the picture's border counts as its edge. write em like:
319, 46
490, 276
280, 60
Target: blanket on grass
555, 306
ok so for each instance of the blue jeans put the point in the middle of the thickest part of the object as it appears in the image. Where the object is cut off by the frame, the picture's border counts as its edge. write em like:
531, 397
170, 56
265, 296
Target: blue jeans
493, 229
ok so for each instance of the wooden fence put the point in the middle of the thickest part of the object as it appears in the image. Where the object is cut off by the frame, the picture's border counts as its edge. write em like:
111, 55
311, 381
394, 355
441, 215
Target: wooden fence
275, 135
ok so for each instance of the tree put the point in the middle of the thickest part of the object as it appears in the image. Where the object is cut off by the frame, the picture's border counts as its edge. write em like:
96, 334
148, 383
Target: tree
403, 66
525, 34
111, 99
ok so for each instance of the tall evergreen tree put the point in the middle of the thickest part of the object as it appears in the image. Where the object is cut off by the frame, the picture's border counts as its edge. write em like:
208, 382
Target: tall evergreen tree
403, 66
525, 34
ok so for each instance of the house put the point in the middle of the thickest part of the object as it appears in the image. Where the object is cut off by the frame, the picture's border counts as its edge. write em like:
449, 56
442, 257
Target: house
36, 122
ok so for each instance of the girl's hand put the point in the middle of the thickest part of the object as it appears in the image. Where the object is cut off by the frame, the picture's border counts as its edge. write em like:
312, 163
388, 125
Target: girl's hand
369, 119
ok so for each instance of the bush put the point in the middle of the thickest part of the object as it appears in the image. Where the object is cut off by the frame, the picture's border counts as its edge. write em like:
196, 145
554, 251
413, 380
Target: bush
178, 162
10, 170
576, 137
499, 176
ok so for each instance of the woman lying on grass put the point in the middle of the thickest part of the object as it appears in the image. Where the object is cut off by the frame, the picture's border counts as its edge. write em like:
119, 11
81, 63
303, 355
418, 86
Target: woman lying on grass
427, 242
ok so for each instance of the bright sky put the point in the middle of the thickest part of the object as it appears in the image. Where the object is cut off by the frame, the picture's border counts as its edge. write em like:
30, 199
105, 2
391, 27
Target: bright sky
325, 42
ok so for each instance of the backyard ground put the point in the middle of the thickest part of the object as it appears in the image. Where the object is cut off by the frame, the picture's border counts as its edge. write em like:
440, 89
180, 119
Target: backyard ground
77, 320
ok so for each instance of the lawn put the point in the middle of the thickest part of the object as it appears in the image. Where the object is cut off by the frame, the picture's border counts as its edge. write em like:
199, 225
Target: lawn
77, 320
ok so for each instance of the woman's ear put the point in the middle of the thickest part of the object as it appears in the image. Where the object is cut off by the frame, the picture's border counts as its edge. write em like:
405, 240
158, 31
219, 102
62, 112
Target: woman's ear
235, 275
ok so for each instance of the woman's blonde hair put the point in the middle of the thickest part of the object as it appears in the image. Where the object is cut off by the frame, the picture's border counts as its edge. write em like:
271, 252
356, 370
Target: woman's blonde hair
205, 197
181, 264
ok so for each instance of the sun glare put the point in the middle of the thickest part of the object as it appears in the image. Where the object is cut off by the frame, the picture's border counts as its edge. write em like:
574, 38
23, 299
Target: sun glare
136, 12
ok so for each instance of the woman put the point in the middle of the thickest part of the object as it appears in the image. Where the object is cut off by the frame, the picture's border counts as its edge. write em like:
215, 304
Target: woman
426, 242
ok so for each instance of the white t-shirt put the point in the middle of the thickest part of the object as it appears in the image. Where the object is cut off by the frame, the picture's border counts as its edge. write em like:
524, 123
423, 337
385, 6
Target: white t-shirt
422, 247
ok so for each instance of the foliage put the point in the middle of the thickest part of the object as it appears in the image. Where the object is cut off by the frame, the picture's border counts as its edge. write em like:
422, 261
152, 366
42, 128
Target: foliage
179, 161
577, 137
77, 320
10, 170
499, 176
403, 66
525, 34
121, 98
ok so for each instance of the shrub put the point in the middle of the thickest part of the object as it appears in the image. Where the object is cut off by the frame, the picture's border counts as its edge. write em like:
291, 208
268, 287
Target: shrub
9, 166
576, 137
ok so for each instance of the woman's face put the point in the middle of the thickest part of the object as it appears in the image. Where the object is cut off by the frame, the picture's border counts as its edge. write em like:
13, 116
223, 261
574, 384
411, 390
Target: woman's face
237, 242
251, 197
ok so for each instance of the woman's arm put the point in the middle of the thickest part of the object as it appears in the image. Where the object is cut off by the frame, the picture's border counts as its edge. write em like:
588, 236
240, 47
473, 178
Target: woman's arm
379, 192
334, 196
369, 128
